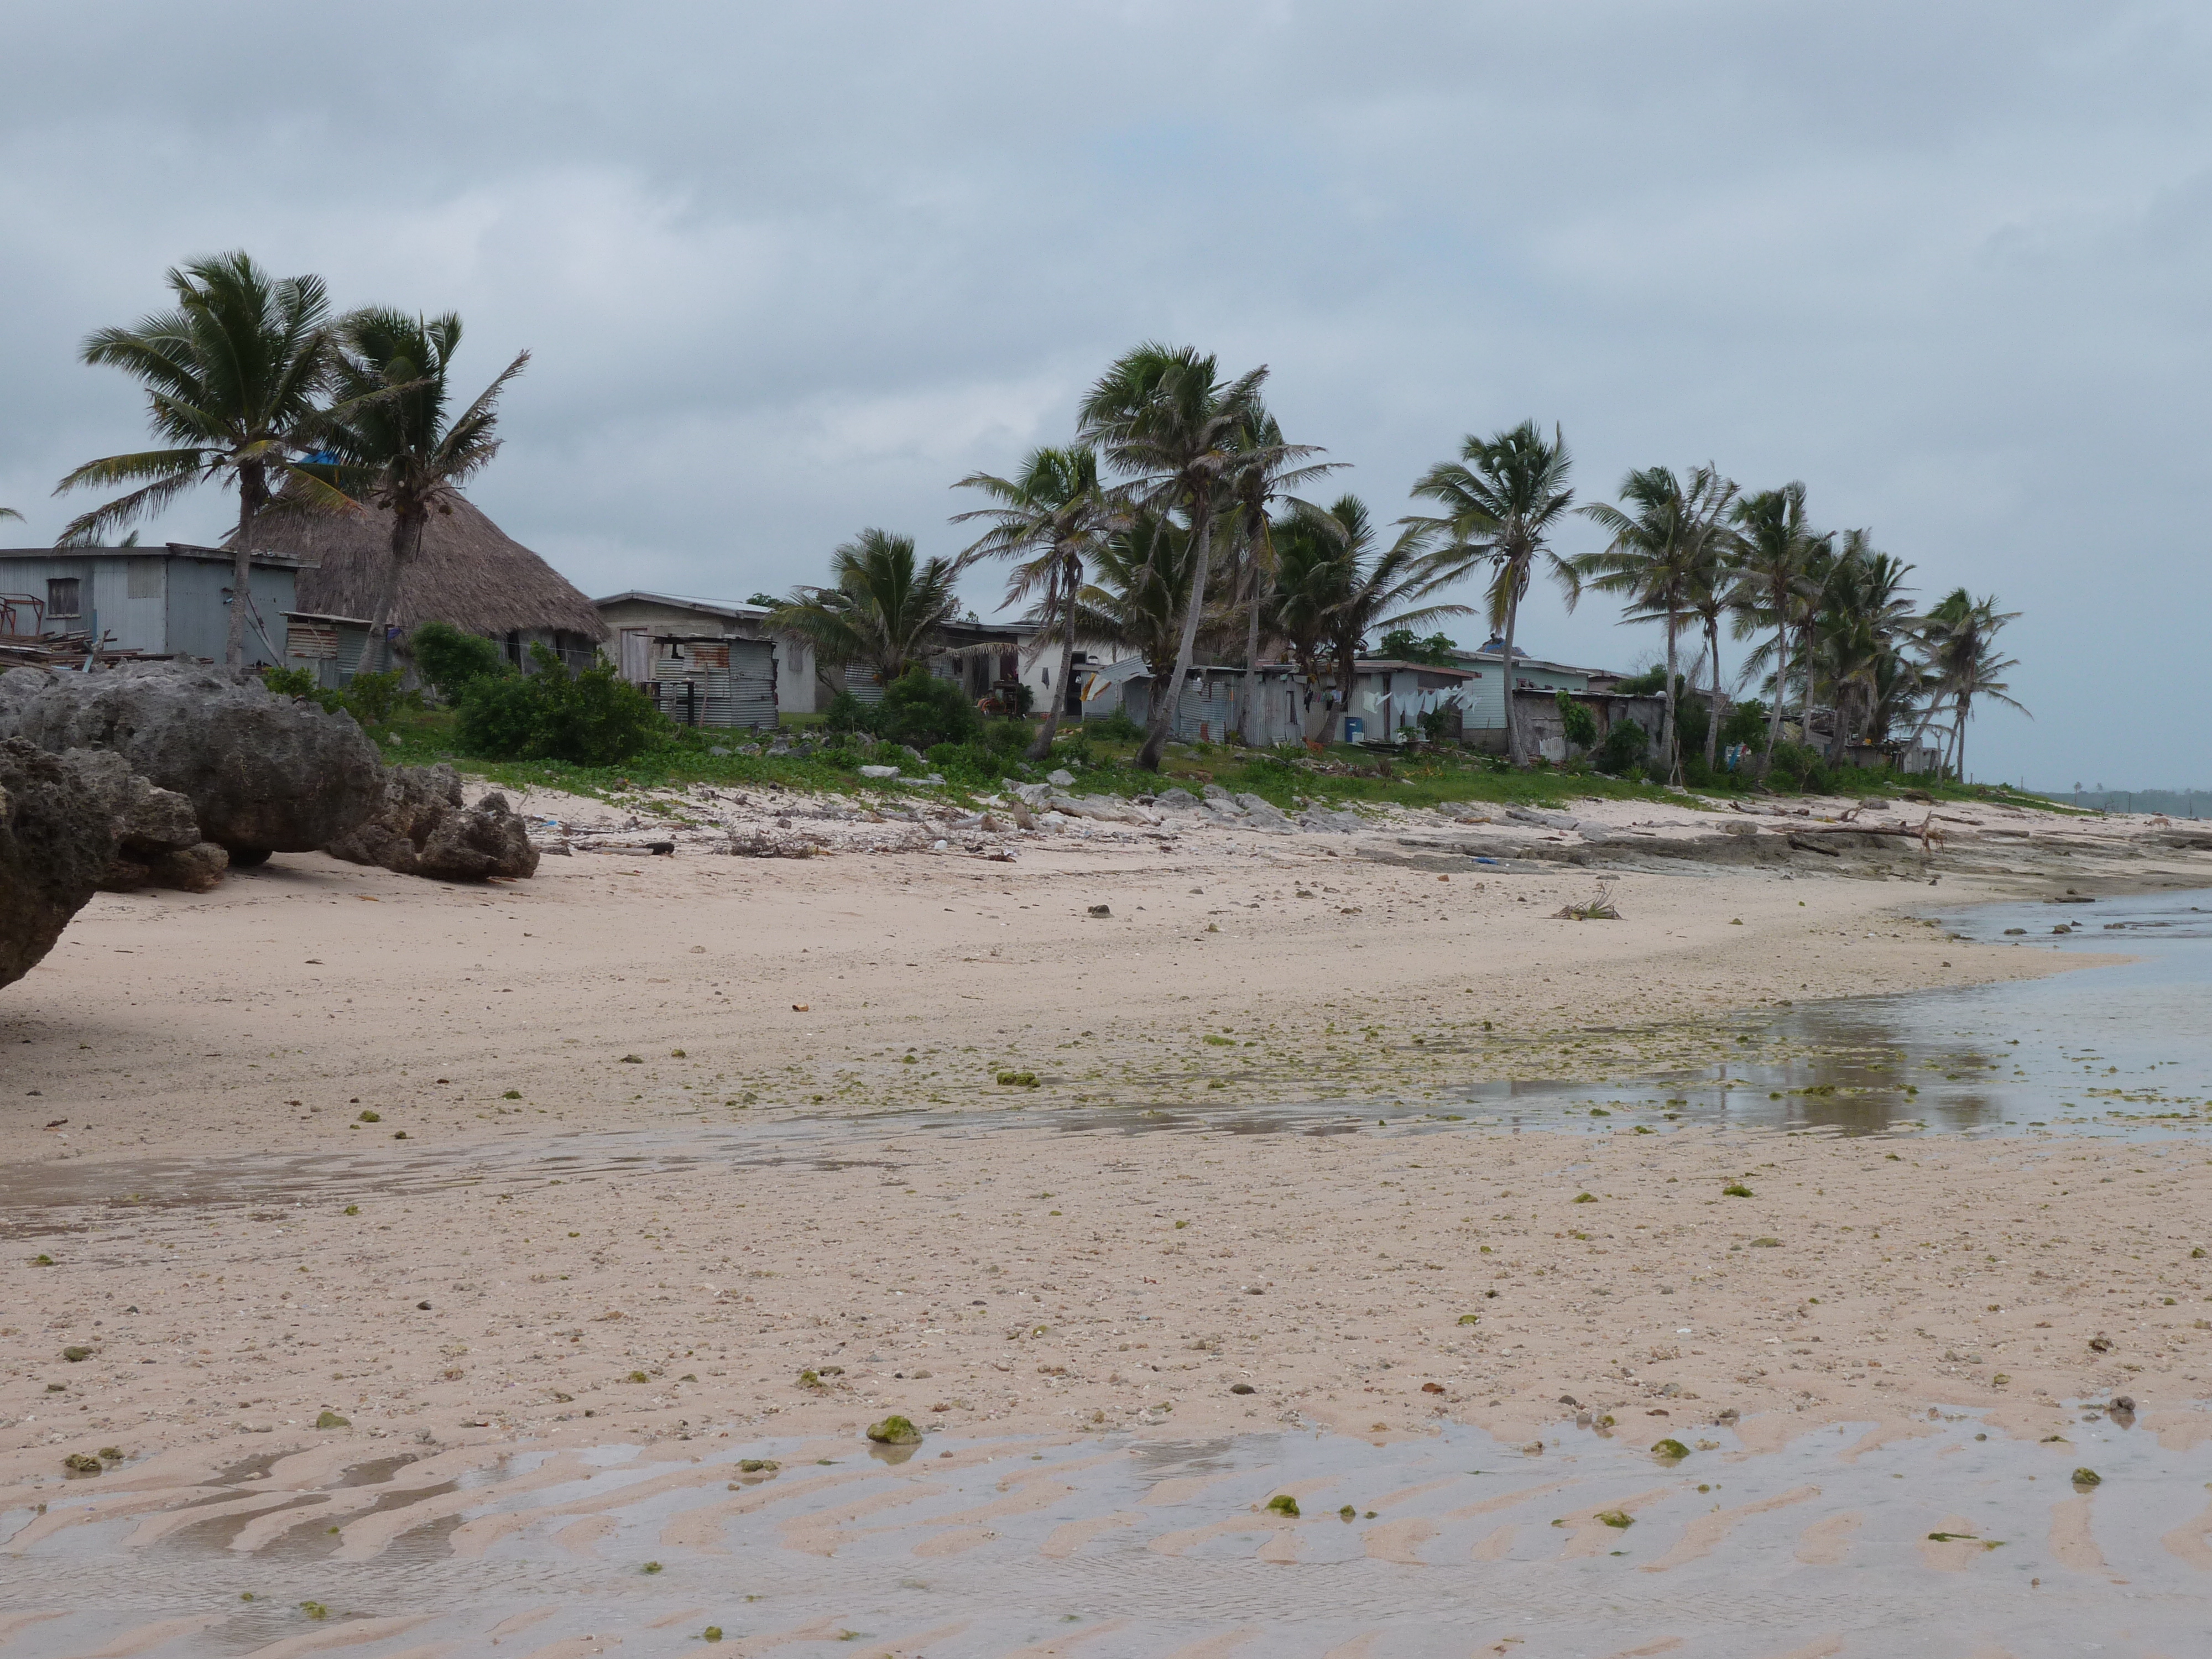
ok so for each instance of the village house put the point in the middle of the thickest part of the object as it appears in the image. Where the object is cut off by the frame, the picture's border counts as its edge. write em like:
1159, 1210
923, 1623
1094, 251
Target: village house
170, 599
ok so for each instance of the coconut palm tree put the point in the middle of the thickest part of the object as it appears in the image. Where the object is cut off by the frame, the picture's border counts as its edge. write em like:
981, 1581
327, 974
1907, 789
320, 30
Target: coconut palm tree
233, 376
1661, 532
881, 608
1340, 582
1502, 499
1864, 624
392, 439
1774, 584
1139, 592
1052, 515
1163, 416
1265, 469
1959, 636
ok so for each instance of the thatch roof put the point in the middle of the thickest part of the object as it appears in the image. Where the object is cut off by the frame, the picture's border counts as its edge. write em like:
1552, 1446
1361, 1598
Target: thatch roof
470, 572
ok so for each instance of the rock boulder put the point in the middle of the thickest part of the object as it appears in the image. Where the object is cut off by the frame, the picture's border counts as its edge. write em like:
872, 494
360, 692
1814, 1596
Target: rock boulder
55, 840
422, 829
264, 772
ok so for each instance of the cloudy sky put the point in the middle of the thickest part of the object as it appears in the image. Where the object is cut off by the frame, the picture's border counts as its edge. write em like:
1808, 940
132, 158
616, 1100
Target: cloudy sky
789, 271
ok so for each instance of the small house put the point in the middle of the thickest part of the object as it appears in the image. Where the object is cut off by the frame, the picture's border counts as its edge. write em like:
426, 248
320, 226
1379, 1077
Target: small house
637, 623
331, 647
171, 599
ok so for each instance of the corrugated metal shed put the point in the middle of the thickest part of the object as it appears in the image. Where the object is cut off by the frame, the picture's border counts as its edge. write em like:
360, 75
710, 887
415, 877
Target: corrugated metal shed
713, 680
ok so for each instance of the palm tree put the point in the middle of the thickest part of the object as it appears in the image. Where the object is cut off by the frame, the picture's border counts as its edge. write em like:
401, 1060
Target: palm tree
390, 439
231, 377
1776, 551
1660, 537
1139, 592
881, 608
1502, 498
1348, 585
1265, 467
1864, 623
1055, 512
1959, 634
1164, 418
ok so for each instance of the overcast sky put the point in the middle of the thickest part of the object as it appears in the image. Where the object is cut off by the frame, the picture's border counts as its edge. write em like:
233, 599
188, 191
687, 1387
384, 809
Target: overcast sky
789, 271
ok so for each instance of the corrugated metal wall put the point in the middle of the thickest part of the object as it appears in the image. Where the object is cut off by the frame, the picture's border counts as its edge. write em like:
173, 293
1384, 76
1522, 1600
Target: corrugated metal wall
729, 682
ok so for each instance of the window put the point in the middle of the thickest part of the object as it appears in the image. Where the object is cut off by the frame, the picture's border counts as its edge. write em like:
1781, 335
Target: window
65, 596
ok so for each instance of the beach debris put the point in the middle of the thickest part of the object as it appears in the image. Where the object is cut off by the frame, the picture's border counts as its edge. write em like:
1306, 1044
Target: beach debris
1017, 1079
2121, 1402
330, 1419
799, 1007
1102, 910
894, 1431
1241, 1388
1618, 1520
76, 1353
2100, 1343
1432, 1387
81, 1463
1347, 1513
2085, 1478
1671, 1449
1737, 1189
712, 1633
1283, 1504
1601, 908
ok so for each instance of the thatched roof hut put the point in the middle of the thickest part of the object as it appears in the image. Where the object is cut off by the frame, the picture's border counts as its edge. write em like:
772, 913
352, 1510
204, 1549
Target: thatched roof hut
470, 572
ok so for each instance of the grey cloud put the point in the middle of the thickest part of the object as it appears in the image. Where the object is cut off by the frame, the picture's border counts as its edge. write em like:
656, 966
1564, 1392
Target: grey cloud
788, 270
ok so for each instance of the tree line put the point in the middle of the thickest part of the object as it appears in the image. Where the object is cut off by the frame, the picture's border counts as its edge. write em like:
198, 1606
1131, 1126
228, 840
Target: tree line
1173, 519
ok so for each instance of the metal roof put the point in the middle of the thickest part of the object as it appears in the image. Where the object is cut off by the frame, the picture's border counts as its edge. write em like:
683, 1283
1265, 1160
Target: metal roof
163, 551
686, 602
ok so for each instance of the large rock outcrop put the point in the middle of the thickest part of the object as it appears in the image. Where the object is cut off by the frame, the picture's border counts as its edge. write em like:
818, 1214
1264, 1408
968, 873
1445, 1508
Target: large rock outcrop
422, 829
57, 837
157, 833
265, 773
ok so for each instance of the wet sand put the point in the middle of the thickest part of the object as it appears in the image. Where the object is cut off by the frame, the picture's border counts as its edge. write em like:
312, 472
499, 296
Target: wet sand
624, 1192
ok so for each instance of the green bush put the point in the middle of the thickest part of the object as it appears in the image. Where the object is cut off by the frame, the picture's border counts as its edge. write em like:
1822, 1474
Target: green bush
1580, 725
847, 713
1623, 747
1692, 719
373, 698
1746, 723
1116, 727
594, 718
451, 659
1799, 766
920, 710
292, 683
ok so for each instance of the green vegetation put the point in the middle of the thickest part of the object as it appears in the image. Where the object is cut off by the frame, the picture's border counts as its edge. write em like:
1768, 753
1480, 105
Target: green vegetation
1671, 1449
894, 1431
1283, 1503
588, 717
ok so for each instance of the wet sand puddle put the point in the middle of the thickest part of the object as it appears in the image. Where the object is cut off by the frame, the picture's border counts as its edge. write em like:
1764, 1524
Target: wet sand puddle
2120, 1050
1964, 1540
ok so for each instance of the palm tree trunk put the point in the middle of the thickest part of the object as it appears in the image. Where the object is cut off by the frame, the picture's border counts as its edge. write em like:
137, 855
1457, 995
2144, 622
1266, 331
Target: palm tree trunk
1043, 746
1512, 618
1251, 692
1962, 737
1668, 746
1713, 692
241, 575
1165, 698
1781, 685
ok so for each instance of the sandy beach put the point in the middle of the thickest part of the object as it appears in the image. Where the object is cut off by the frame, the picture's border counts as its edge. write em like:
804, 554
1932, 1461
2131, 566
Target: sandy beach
630, 1154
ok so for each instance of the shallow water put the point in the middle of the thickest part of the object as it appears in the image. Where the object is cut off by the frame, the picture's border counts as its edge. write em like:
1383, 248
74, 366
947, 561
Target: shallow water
2124, 1049
1112, 1548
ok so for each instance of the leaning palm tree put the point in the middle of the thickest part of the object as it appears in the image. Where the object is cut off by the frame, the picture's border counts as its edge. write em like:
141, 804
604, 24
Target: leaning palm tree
1139, 592
1501, 500
233, 377
1052, 515
881, 607
1864, 624
1163, 416
1776, 551
392, 439
1659, 536
1964, 664
1360, 586
1266, 468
